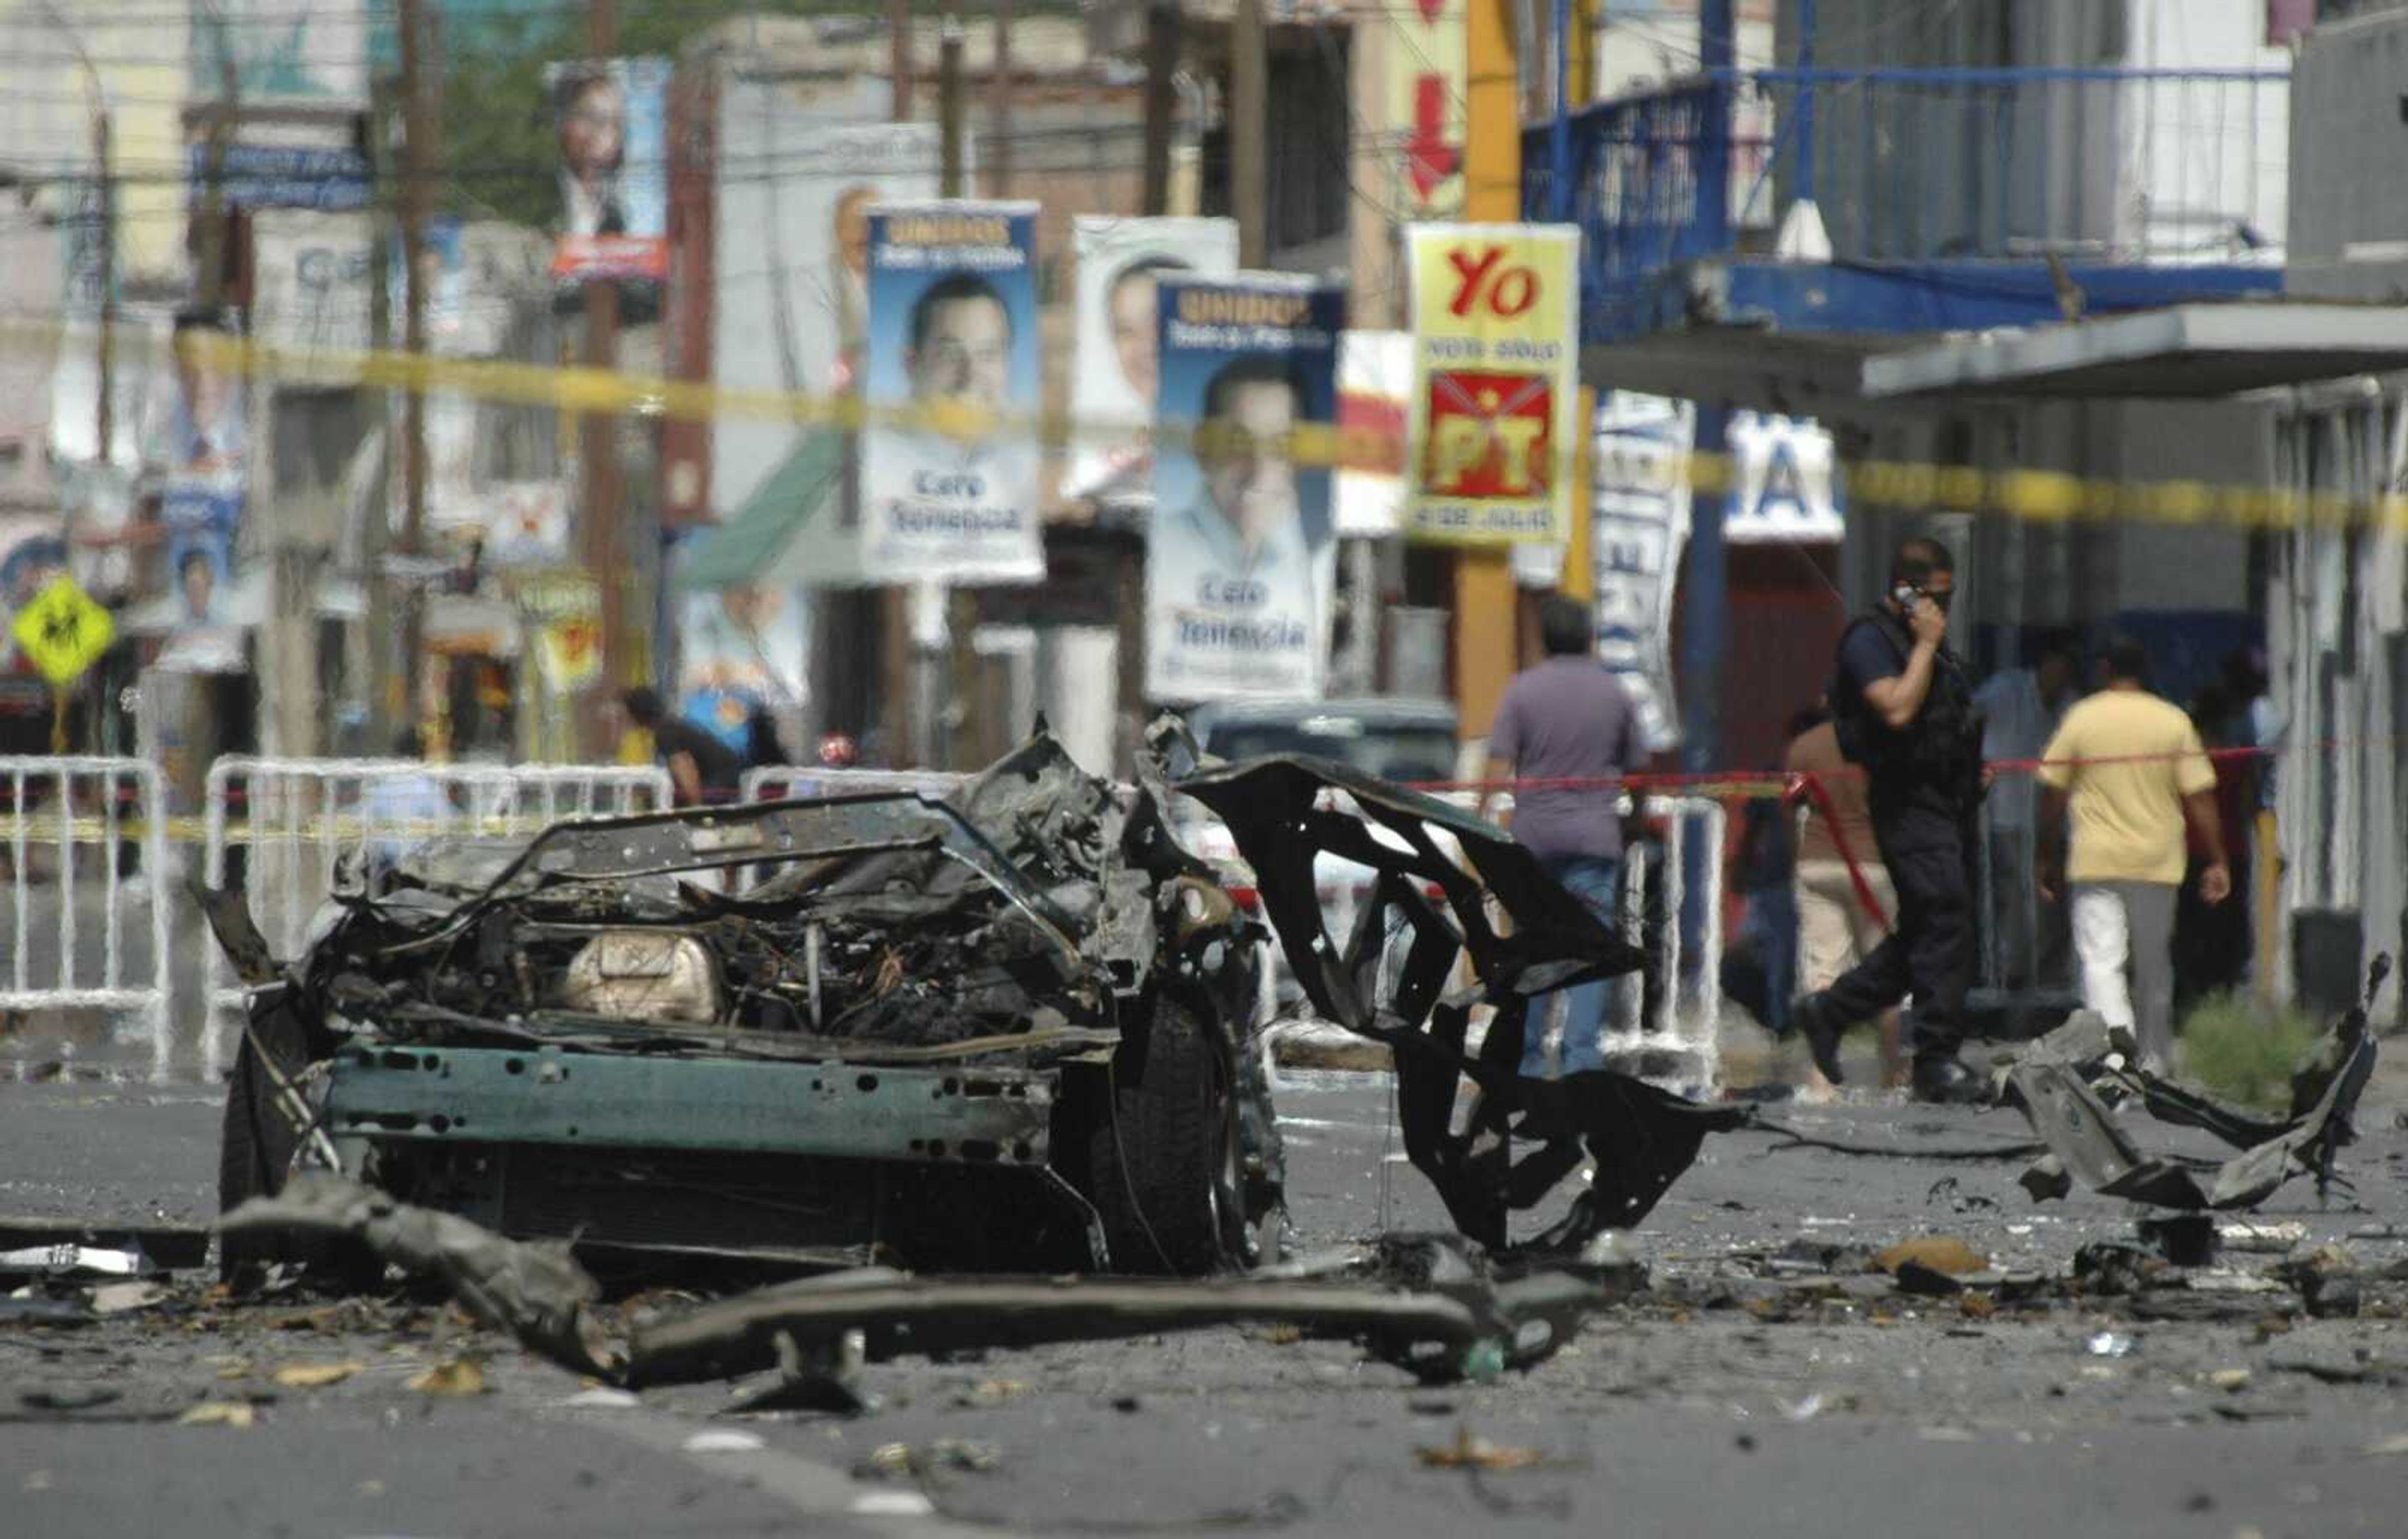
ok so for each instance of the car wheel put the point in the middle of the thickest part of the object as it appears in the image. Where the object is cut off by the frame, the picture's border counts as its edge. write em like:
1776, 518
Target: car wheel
1163, 1159
255, 1151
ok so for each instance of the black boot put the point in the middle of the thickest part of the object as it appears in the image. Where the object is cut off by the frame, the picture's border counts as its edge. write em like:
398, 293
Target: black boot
1811, 1017
1946, 1081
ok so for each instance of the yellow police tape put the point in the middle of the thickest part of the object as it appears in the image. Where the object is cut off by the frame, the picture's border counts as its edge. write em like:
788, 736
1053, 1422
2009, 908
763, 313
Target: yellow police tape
42, 831
2042, 496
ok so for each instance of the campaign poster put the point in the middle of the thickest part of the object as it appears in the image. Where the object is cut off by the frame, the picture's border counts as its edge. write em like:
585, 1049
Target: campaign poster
1117, 380
1240, 547
792, 262
610, 118
1496, 401
200, 453
950, 495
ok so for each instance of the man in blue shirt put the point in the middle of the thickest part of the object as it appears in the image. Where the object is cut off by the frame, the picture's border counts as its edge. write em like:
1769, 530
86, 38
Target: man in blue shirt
1569, 720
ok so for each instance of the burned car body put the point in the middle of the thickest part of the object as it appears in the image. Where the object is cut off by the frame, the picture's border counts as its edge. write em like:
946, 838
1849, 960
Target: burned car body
1006, 1028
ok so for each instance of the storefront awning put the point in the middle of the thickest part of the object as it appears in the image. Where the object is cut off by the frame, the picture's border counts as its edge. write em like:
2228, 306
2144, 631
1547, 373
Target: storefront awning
2180, 351
764, 541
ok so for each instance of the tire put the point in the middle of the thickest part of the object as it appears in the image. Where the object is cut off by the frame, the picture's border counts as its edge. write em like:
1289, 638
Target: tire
1164, 1156
255, 1151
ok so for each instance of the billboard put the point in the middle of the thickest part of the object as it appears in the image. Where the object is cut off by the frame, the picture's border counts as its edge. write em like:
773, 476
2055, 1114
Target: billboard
953, 497
1114, 387
610, 117
791, 290
1495, 401
1240, 549
199, 456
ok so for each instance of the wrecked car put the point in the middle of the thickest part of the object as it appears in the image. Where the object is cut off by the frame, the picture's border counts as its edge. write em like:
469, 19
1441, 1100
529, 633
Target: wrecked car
1008, 1028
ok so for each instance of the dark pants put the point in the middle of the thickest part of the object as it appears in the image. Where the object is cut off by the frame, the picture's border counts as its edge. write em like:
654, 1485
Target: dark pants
1930, 951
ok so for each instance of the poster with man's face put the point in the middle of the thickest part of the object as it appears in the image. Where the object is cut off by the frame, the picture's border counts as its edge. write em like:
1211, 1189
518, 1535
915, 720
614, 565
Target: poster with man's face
610, 117
1241, 555
200, 451
1112, 392
952, 497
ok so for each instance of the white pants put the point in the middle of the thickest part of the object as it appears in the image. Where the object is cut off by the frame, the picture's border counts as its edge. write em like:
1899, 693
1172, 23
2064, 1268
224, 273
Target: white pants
2118, 925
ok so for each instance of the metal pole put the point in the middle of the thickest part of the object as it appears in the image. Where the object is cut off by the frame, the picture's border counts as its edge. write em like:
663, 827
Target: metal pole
1559, 132
419, 128
1249, 108
1806, 27
604, 510
950, 722
898, 41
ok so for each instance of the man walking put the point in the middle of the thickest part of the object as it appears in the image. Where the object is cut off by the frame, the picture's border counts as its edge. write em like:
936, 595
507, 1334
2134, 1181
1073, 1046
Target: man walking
1902, 710
1565, 719
2132, 768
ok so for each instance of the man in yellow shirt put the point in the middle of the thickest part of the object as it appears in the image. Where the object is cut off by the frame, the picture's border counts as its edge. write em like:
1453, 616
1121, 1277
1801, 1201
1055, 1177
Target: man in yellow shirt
2132, 767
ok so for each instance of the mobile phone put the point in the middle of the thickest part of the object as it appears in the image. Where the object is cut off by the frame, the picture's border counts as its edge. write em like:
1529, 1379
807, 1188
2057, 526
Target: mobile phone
1906, 595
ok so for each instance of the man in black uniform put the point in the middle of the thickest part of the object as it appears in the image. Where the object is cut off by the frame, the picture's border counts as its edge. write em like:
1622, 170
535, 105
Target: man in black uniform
1904, 711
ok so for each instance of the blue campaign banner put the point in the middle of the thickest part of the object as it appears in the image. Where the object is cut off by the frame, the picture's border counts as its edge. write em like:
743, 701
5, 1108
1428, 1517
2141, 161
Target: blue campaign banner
1241, 549
952, 497
265, 176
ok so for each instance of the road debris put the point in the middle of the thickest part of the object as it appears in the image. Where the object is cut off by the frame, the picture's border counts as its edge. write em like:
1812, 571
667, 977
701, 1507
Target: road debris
220, 1412
2056, 1083
460, 1377
316, 1375
1283, 812
1469, 1452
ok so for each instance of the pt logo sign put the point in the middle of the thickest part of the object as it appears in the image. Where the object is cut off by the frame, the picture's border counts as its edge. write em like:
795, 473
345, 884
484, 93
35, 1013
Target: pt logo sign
1488, 434
1495, 391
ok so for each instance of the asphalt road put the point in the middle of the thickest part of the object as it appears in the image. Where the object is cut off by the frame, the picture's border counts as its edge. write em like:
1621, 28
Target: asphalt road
1723, 1404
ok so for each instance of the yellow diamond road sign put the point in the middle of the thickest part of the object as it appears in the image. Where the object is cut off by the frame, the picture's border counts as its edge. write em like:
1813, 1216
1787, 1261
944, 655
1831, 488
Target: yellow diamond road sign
63, 631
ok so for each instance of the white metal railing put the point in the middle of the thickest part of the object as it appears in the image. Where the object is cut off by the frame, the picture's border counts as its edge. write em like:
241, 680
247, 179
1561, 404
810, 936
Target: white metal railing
299, 820
1681, 1043
72, 825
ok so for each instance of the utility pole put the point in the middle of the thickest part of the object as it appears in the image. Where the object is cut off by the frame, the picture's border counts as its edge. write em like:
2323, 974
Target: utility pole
1161, 101
105, 409
898, 56
386, 703
958, 715
419, 129
998, 103
1249, 108
1487, 641
604, 510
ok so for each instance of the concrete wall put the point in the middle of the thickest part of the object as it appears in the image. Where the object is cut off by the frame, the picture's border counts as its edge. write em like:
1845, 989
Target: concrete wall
2349, 175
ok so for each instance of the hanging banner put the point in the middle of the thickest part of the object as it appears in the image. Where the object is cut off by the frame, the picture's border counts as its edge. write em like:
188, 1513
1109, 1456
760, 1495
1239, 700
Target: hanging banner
1429, 77
1495, 399
1241, 555
1116, 382
1641, 487
953, 330
610, 117
1375, 387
